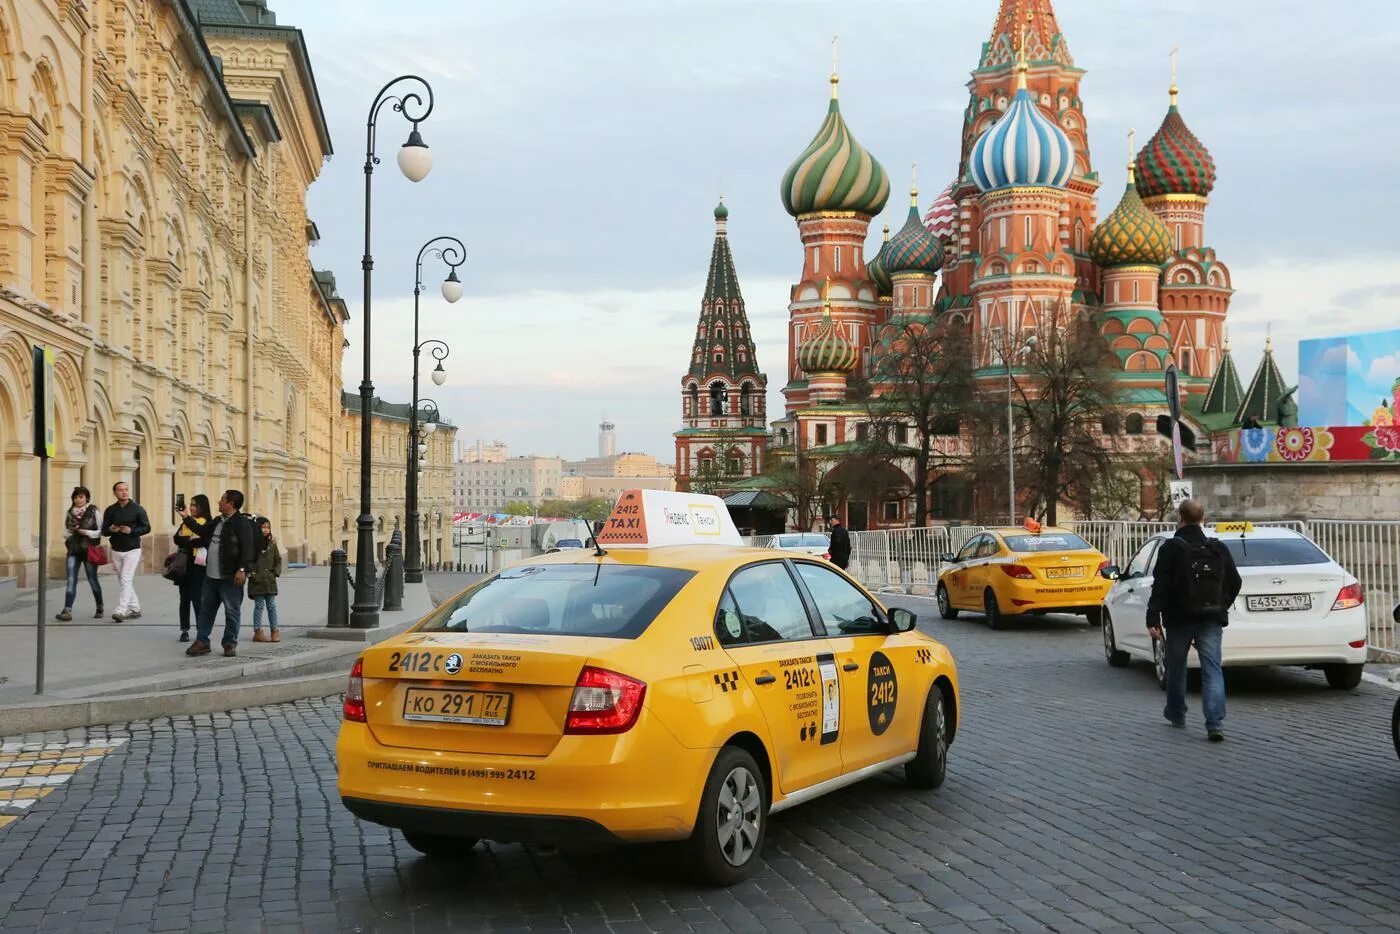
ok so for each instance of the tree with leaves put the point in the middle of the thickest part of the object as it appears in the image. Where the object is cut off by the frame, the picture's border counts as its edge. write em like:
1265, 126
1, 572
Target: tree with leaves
924, 386
518, 507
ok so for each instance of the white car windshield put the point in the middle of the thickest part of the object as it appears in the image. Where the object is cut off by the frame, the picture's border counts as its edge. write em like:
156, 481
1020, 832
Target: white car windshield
1273, 552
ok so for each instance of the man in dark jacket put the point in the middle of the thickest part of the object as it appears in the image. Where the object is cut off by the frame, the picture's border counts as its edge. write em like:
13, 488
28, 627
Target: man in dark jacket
124, 522
840, 543
1193, 585
231, 551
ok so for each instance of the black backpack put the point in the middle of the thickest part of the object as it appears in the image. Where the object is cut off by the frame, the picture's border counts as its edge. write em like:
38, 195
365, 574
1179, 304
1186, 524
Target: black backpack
1203, 589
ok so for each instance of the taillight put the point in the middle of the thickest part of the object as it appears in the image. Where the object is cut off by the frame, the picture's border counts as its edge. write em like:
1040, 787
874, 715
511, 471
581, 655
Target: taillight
354, 709
1018, 571
1349, 597
604, 702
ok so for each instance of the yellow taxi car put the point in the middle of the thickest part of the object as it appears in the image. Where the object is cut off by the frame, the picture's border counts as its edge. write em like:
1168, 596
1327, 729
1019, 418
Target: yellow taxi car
1029, 570
669, 684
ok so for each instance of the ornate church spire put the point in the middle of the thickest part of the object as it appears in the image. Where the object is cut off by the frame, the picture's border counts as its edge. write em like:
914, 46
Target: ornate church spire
723, 342
1044, 42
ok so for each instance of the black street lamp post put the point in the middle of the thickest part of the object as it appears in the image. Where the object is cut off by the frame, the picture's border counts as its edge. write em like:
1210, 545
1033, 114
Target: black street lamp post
415, 161
417, 447
453, 253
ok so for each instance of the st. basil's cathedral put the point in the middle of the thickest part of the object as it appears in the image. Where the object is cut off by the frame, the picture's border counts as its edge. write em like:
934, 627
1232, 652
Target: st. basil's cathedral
1016, 240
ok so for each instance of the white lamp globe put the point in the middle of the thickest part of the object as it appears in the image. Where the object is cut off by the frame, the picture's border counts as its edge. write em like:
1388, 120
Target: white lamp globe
422, 449
415, 159
439, 375
452, 287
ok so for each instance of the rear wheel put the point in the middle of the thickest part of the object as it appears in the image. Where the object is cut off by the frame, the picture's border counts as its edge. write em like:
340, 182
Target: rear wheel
945, 603
993, 610
438, 846
1116, 656
1395, 727
727, 842
929, 766
1343, 677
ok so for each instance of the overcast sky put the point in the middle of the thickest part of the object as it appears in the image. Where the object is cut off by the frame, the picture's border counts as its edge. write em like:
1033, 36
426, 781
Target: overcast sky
579, 149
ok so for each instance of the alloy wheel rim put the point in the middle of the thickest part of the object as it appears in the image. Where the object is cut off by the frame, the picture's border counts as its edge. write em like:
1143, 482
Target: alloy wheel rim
942, 599
737, 817
1107, 636
940, 739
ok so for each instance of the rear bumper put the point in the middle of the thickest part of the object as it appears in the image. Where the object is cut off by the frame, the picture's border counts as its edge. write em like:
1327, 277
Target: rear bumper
1252, 642
483, 825
1082, 599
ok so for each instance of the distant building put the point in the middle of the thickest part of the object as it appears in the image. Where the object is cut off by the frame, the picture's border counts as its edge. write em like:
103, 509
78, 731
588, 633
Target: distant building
610, 488
487, 486
482, 453
626, 464
607, 439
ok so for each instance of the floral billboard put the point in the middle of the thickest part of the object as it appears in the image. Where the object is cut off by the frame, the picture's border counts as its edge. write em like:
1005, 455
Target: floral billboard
1338, 443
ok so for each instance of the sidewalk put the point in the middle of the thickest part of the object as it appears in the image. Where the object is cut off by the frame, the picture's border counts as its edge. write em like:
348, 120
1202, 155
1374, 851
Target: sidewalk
98, 671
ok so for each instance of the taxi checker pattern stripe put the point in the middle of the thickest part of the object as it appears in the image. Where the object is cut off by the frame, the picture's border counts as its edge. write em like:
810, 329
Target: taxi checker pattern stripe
727, 681
1023, 148
31, 771
835, 173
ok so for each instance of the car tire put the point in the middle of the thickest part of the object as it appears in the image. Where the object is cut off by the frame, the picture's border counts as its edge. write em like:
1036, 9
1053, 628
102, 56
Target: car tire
992, 609
945, 603
1343, 677
1159, 661
1115, 656
929, 766
721, 852
1395, 727
439, 846
1095, 616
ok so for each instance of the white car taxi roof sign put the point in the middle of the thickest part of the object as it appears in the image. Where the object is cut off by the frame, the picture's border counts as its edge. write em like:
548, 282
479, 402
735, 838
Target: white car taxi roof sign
1234, 527
657, 518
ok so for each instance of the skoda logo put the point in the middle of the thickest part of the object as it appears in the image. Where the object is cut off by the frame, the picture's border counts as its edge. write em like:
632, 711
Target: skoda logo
453, 664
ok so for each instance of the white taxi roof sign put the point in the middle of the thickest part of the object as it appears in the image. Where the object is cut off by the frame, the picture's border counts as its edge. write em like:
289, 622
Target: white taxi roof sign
657, 518
1234, 527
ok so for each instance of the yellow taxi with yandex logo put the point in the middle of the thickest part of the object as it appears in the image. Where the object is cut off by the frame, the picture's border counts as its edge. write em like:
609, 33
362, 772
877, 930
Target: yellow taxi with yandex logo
1014, 571
667, 684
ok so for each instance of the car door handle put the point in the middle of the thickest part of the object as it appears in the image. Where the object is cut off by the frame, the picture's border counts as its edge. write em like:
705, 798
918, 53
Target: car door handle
765, 679
850, 666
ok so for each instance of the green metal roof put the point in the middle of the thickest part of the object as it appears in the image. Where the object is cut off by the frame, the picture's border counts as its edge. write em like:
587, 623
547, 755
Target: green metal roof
721, 432
1265, 390
1224, 395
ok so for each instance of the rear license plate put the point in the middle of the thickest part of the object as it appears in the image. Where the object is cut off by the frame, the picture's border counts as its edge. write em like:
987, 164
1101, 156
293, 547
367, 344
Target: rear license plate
1054, 573
1271, 602
436, 705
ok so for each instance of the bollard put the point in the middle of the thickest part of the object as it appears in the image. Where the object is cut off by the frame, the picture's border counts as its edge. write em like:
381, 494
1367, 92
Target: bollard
393, 575
338, 602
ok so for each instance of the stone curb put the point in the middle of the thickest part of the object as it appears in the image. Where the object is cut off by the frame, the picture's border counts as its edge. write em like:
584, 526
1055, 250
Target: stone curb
16, 719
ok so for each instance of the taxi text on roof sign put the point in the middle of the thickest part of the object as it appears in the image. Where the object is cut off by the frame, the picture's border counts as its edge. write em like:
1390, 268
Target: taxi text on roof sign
655, 518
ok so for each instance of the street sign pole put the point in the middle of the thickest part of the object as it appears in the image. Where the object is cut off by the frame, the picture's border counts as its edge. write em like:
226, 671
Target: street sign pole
1173, 390
44, 441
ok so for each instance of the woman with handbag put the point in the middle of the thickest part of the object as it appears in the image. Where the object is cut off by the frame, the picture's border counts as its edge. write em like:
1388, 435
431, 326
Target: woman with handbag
82, 531
192, 540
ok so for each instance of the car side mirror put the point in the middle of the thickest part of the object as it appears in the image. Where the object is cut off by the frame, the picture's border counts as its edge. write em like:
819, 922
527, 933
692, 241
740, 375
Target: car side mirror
948, 559
903, 620
1111, 572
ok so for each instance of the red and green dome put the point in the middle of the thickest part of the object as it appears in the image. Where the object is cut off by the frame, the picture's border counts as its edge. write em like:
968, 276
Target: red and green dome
876, 269
1174, 161
827, 350
834, 172
1132, 235
914, 248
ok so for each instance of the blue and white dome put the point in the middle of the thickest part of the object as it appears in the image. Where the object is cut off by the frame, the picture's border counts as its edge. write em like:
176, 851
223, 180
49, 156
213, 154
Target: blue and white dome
1023, 148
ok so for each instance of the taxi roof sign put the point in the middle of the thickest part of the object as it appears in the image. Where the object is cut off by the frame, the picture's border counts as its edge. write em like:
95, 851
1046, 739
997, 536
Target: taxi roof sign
1031, 526
657, 518
1234, 527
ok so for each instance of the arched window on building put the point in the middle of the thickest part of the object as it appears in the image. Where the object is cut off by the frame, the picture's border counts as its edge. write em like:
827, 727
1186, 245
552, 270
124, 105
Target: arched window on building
694, 400
1134, 423
746, 399
719, 399
1111, 423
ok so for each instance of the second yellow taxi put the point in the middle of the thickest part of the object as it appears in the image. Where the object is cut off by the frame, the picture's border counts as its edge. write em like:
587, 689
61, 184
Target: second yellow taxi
1010, 572
668, 684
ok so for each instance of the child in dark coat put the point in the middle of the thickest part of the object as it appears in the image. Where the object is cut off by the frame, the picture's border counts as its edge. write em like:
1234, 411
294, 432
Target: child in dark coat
262, 582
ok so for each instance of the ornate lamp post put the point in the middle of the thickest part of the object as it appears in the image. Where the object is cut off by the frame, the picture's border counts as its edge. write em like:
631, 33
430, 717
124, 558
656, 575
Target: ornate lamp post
453, 253
415, 161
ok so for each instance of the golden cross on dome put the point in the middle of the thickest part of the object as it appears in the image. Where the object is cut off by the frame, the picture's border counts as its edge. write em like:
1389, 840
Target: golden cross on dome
1021, 53
887, 233
914, 184
1132, 151
1226, 329
1173, 89
835, 79
826, 298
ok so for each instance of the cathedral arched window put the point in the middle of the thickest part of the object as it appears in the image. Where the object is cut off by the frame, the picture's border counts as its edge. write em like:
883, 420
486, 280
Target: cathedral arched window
1134, 423
719, 399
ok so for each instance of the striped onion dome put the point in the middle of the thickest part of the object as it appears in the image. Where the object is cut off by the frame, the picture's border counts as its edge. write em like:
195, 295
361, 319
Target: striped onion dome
834, 172
942, 216
914, 248
1132, 235
1023, 148
827, 350
876, 269
1174, 161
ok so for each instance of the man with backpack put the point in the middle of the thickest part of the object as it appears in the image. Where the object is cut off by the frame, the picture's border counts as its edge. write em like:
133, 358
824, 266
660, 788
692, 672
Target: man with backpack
1194, 583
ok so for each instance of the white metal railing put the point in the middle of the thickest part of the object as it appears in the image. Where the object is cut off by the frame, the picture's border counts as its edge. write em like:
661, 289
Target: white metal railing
1371, 551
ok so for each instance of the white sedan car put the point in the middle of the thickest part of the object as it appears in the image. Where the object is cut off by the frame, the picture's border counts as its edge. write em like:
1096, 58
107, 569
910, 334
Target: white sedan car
1296, 607
817, 544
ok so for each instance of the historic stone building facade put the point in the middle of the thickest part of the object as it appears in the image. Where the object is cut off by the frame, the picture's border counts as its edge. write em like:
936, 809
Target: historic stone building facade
154, 162
389, 474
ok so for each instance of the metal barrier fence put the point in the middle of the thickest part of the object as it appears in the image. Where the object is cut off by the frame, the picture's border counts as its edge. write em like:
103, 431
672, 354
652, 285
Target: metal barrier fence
908, 561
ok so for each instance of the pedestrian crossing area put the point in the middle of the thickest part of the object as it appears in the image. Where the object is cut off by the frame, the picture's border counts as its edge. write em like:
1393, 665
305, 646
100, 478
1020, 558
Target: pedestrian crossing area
31, 771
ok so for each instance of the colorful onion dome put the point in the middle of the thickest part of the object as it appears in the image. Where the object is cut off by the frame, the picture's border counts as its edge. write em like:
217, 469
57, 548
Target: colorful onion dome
876, 269
834, 172
721, 212
914, 248
1023, 148
1174, 161
1131, 235
942, 216
827, 350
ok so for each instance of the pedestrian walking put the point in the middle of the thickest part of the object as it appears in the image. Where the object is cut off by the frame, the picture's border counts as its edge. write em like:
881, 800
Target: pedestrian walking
82, 536
840, 542
194, 520
262, 582
230, 542
1194, 582
123, 523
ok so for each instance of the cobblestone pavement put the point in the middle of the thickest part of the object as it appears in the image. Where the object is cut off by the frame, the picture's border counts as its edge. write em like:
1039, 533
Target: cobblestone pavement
1070, 806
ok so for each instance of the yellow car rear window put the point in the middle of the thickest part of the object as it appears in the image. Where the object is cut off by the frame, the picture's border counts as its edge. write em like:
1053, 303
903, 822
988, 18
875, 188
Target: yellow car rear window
1048, 541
